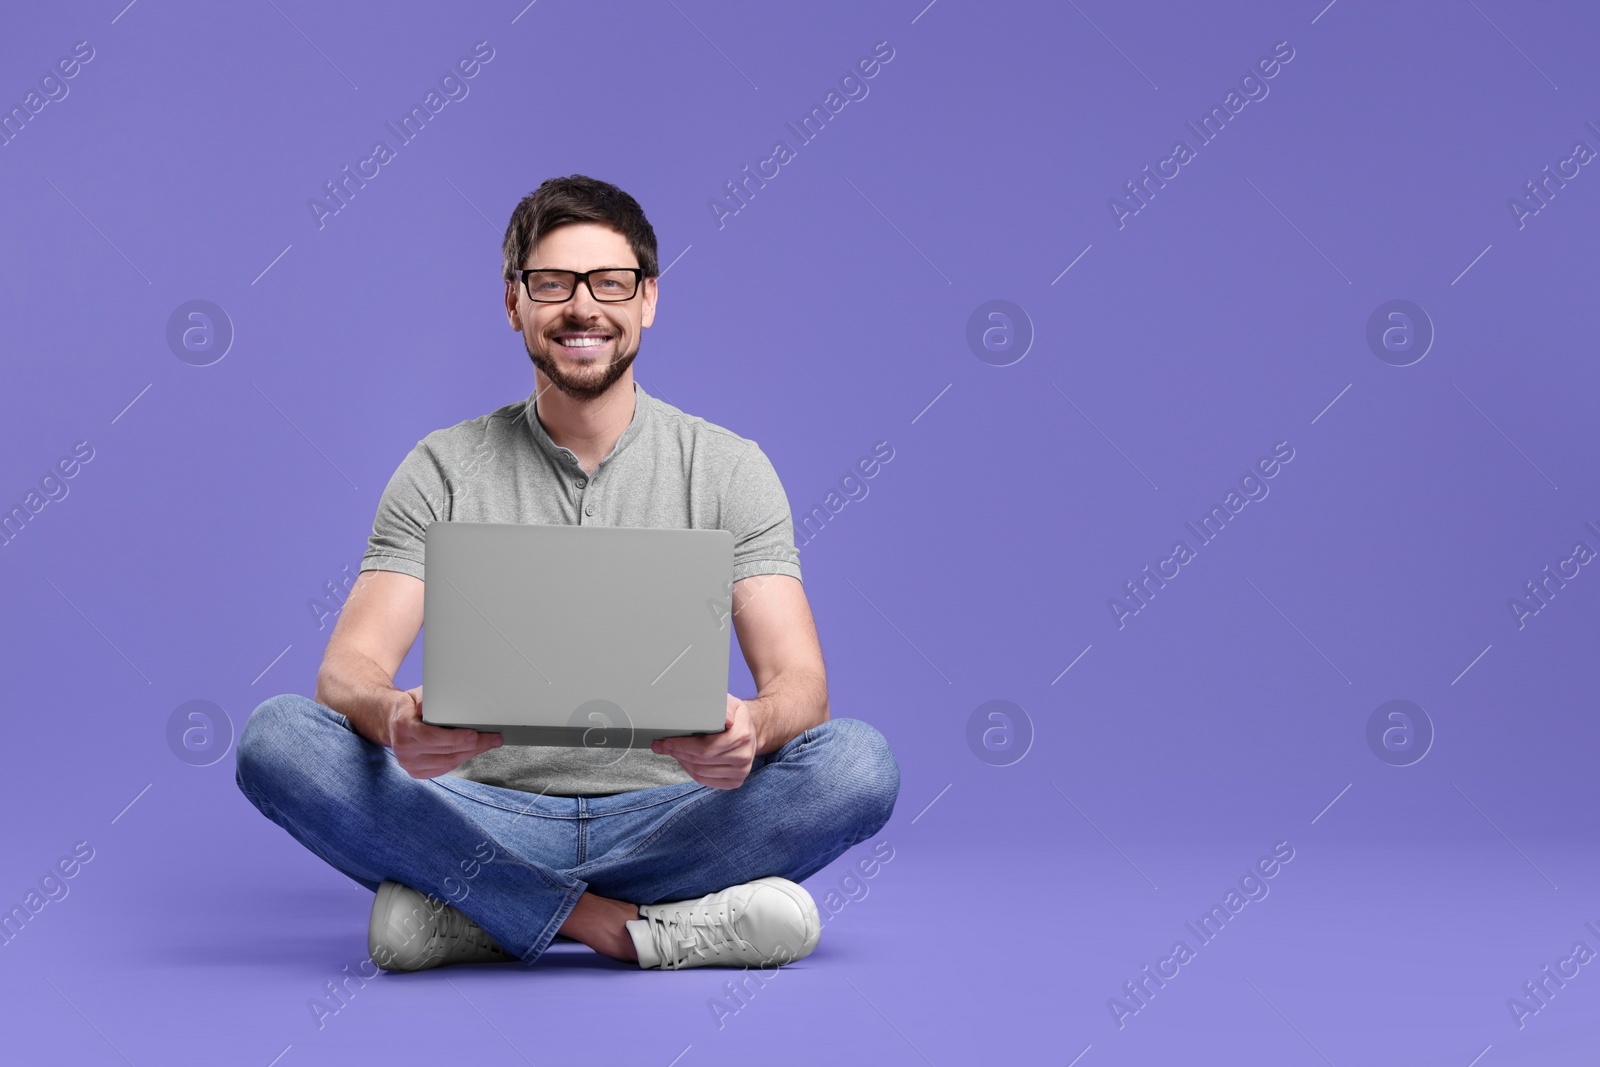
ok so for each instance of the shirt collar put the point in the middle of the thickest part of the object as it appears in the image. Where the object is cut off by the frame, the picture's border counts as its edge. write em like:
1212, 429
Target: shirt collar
642, 402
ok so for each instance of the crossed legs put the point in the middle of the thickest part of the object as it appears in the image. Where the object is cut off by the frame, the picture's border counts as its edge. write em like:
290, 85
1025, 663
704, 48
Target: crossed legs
351, 804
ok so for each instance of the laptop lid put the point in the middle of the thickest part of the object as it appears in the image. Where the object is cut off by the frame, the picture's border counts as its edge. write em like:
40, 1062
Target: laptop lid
594, 636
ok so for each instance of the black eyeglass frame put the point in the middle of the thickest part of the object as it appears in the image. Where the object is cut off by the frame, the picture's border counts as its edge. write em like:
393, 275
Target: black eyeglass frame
582, 276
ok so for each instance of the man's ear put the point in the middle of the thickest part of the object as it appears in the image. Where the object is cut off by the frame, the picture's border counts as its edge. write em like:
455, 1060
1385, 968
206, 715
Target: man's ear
648, 315
511, 306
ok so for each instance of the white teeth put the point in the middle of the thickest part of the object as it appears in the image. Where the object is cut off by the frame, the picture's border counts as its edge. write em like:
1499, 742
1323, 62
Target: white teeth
582, 342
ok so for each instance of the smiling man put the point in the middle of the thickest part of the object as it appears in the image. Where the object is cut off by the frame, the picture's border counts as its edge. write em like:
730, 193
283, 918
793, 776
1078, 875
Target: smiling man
686, 855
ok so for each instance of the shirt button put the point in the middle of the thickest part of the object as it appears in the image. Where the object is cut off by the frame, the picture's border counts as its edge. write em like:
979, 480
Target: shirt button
589, 510
580, 483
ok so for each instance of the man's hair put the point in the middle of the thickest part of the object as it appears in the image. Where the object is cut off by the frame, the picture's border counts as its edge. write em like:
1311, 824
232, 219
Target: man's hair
577, 198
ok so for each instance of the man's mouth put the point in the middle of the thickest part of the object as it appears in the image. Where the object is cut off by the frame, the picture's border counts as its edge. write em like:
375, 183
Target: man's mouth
582, 340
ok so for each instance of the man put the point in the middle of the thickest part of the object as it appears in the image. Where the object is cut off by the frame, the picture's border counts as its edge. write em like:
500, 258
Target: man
687, 855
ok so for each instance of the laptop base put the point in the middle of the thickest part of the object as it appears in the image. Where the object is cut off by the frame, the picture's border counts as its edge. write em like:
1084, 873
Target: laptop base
575, 736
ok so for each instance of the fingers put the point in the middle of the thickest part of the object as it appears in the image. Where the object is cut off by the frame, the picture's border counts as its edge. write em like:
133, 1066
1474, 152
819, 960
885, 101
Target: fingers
712, 760
723, 772
711, 764
447, 739
718, 770
717, 761
720, 782
432, 764
430, 768
429, 751
710, 747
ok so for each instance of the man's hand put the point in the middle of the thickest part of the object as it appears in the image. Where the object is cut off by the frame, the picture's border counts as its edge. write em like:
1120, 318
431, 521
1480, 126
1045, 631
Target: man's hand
428, 751
721, 761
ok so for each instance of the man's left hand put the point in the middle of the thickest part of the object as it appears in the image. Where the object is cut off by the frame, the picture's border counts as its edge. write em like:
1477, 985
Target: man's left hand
721, 761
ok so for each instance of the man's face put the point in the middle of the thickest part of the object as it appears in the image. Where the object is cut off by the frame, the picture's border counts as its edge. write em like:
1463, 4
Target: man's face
550, 330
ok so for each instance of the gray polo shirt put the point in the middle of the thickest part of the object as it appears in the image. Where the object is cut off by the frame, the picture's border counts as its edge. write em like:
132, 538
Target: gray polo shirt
668, 470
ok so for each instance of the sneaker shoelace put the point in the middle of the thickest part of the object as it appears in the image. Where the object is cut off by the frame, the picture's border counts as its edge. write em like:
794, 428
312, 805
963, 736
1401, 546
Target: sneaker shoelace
700, 932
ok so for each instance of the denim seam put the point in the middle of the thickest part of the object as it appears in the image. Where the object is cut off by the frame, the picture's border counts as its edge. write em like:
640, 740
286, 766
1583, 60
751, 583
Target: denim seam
640, 846
652, 804
704, 791
581, 846
545, 815
494, 804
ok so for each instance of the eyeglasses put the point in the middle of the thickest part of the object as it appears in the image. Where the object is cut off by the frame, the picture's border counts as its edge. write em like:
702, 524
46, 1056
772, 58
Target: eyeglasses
610, 285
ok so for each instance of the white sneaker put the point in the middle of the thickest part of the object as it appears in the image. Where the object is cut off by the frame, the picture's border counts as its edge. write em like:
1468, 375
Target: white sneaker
764, 922
411, 931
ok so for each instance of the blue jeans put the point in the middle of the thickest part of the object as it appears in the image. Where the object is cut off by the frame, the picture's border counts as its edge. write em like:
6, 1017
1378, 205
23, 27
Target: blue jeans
516, 862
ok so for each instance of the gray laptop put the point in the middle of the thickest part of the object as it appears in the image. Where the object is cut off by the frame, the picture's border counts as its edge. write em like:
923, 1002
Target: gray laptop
593, 636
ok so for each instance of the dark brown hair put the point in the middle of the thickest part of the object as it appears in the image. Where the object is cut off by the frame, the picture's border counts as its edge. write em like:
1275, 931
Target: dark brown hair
577, 198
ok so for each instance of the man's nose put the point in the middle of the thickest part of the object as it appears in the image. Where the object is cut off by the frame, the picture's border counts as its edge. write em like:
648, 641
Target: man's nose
583, 301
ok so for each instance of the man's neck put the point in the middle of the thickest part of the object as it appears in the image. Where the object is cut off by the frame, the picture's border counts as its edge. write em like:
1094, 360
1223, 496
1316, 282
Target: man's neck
590, 428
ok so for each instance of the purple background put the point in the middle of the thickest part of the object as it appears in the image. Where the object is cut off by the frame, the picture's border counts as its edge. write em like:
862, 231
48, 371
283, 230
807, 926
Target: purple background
829, 314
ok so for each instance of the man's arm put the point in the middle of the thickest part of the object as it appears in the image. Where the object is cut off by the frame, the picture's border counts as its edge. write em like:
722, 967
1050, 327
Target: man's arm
379, 623
779, 639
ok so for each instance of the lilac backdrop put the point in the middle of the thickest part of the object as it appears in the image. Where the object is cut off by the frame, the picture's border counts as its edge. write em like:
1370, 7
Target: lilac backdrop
1152, 348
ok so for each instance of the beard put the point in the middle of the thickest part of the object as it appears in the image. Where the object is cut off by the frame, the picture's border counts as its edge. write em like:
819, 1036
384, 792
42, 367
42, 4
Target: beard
585, 382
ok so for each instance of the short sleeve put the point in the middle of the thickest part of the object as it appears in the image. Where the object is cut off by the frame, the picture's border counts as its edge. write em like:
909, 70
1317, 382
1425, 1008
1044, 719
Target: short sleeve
756, 511
415, 496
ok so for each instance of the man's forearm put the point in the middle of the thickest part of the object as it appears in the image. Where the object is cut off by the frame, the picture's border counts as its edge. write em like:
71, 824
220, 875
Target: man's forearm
791, 704
358, 689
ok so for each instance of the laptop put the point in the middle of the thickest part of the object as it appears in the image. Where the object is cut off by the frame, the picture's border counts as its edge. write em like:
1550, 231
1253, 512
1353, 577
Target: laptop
582, 636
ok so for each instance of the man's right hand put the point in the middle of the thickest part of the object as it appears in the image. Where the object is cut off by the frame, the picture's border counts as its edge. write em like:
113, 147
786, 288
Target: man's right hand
428, 751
